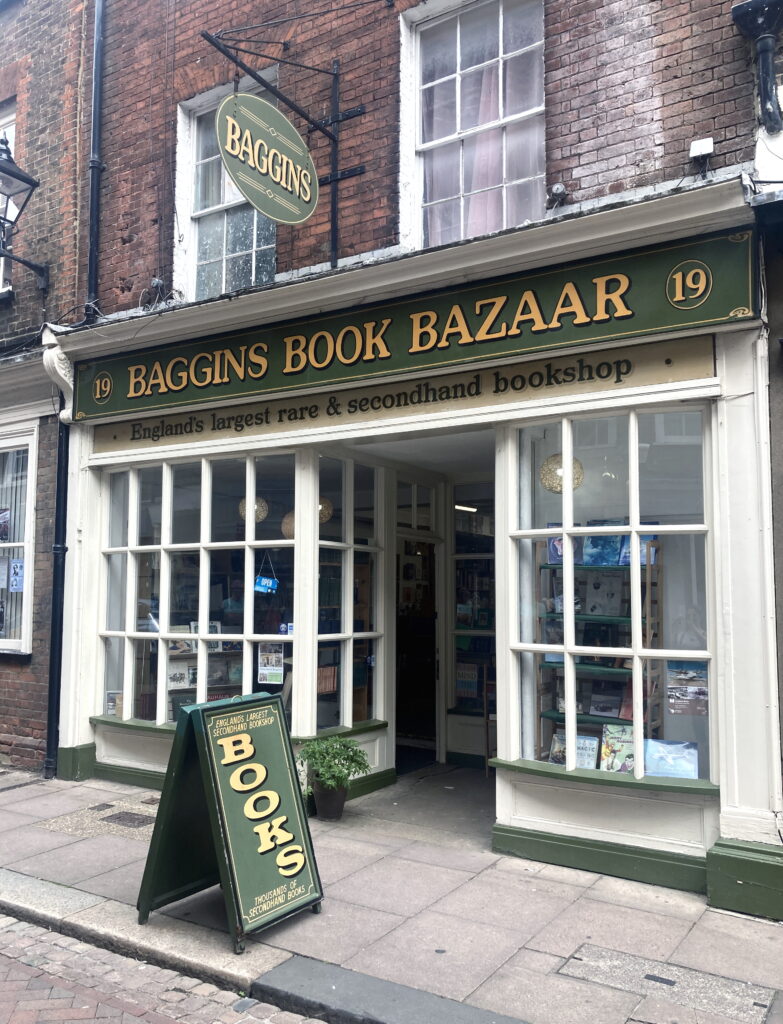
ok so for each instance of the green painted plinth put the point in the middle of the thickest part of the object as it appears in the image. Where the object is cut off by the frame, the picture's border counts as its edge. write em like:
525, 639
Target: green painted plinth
746, 877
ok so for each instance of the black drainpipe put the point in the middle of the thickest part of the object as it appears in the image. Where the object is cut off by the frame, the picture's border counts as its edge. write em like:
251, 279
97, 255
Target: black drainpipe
96, 164
59, 547
761, 22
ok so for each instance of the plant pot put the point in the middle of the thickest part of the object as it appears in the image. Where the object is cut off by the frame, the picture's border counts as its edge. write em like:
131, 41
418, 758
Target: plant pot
329, 803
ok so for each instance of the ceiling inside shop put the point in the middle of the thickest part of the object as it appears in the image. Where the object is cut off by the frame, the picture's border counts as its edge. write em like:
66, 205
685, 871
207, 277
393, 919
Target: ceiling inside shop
451, 454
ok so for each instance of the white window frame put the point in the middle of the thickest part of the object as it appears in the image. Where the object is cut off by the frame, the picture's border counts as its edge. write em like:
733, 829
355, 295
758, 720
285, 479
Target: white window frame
411, 182
8, 128
185, 233
12, 441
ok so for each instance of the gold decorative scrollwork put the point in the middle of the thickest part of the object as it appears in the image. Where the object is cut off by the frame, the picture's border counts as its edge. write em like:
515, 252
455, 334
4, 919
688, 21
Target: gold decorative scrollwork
740, 236
740, 311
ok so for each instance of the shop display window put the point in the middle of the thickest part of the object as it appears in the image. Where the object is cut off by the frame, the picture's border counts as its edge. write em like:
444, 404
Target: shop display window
15, 549
613, 638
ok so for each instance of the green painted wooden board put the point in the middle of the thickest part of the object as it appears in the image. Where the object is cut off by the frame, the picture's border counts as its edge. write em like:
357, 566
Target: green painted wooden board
232, 813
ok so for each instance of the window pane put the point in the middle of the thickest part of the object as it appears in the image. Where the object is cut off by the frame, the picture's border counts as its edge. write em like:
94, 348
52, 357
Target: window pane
537, 589
681, 622
475, 593
224, 672
228, 490
479, 35
483, 160
13, 495
239, 229
439, 51
442, 223
330, 499
208, 180
150, 505
116, 571
525, 202
671, 471
330, 591
274, 494
273, 591
11, 592
265, 231
601, 454
602, 601
186, 503
209, 280
423, 507
475, 669
265, 267
118, 510
479, 97
523, 24
525, 148
363, 679
523, 82
227, 591
441, 172
404, 504
363, 504
484, 212
114, 654
210, 236
145, 679
206, 142
363, 592
329, 684
183, 597
239, 272
676, 718
273, 669
147, 591
541, 477
438, 111
474, 518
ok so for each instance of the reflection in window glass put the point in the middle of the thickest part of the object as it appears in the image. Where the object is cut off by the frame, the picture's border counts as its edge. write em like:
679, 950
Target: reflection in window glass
329, 684
116, 589
228, 491
404, 504
330, 590
274, 495
363, 504
149, 505
363, 679
273, 591
145, 679
671, 484
330, 499
601, 454
147, 592
227, 590
114, 648
118, 510
541, 477
676, 718
186, 503
183, 594
363, 592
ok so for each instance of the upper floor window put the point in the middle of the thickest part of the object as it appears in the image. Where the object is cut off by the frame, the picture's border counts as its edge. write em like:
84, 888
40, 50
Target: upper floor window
235, 245
481, 120
7, 131
16, 545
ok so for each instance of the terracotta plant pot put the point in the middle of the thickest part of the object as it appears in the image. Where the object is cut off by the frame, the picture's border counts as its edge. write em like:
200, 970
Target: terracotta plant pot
329, 803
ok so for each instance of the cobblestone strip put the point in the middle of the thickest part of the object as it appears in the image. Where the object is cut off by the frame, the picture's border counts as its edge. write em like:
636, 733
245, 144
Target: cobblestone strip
48, 977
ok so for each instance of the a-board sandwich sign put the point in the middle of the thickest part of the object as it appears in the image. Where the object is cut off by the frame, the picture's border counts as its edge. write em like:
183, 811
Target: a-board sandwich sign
232, 812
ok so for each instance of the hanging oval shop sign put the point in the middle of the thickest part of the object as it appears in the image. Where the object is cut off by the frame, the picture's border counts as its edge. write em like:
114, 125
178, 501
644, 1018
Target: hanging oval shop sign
266, 158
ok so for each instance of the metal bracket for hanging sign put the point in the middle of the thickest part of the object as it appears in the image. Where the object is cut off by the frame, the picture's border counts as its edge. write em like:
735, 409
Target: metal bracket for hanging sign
327, 126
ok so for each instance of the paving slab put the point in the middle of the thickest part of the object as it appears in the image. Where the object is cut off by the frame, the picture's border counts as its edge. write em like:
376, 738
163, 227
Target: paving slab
77, 861
29, 840
572, 876
121, 884
48, 804
391, 886
695, 990
339, 856
335, 994
744, 948
603, 924
184, 947
656, 898
12, 819
517, 990
665, 1011
447, 856
41, 901
521, 904
339, 932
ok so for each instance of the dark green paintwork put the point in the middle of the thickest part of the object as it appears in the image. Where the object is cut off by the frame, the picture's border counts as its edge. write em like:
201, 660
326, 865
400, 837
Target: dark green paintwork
76, 763
731, 298
656, 867
746, 877
698, 787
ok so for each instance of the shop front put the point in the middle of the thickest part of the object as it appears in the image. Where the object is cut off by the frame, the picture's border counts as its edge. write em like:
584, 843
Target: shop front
520, 524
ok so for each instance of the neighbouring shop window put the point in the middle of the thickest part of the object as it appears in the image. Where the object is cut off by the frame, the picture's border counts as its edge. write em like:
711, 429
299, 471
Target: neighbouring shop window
474, 596
199, 554
613, 641
16, 548
347, 580
481, 120
233, 244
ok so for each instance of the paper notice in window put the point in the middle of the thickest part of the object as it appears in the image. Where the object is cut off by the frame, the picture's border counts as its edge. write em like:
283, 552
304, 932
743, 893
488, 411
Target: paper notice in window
16, 579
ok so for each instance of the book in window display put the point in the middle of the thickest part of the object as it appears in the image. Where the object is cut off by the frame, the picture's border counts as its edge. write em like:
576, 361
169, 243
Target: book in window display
586, 750
617, 753
602, 549
604, 594
671, 759
646, 543
5, 524
606, 699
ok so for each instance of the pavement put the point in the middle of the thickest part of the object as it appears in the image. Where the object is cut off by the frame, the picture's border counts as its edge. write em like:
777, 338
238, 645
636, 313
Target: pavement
422, 924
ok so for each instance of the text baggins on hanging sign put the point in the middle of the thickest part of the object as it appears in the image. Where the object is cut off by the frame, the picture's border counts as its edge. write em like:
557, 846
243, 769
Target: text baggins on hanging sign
266, 158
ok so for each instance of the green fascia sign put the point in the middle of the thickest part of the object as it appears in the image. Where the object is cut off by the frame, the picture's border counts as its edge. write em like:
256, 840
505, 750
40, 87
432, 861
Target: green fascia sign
266, 158
232, 813
690, 286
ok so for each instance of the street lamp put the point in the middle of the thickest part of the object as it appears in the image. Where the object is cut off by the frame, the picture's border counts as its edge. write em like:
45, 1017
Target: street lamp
16, 187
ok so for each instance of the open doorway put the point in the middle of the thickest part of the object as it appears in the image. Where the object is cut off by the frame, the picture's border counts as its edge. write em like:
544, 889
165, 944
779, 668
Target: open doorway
417, 655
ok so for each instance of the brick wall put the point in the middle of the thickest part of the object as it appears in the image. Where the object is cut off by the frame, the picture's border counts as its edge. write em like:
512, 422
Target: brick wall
24, 679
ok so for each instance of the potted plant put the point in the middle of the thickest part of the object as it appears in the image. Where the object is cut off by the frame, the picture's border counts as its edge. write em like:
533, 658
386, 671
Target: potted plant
331, 762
